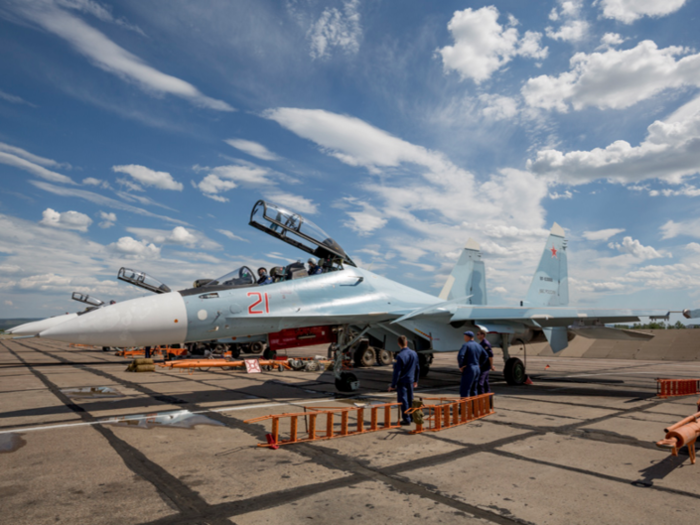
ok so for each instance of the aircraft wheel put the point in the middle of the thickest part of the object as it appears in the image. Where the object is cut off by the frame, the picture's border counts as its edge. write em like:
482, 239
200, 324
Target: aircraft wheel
364, 355
424, 361
235, 350
347, 382
514, 371
269, 354
105, 349
257, 347
383, 357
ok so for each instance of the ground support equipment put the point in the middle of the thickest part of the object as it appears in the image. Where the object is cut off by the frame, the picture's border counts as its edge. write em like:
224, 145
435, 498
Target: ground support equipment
683, 433
677, 387
449, 412
315, 433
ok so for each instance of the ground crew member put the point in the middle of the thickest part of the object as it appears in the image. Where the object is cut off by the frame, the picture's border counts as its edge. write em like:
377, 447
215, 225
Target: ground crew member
483, 386
405, 378
469, 359
263, 278
314, 269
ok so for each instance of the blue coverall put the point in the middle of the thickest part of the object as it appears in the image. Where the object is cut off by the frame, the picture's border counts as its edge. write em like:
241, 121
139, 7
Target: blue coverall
483, 386
470, 356
406, 372
315, 270
265, 279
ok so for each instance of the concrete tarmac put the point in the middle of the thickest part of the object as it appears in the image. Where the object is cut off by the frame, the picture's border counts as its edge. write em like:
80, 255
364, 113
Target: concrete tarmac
82, 441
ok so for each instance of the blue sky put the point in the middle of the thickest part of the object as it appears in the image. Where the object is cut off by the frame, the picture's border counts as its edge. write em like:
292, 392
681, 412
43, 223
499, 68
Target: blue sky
140, 134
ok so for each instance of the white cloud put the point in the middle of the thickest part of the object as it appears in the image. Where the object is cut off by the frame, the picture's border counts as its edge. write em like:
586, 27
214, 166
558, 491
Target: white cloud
100, 200
133, 249
108, 219
566, 195
110, 57
295, 203
92, 181
571, 31
232, 236
611, 39
482, 45
211, 186
635, 248
225, 178
149, 177
693, 247
497, 107
252, 148
614, 79
670, 152
178, 235
69, 220
34, 164
336, 29
14, 99
9, 303
98, 11
365, 221
686, 191
500, 289
602, 235
672, 229
627, 11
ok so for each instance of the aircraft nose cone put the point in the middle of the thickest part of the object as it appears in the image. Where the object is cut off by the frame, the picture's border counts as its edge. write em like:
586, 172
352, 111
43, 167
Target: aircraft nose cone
148, 321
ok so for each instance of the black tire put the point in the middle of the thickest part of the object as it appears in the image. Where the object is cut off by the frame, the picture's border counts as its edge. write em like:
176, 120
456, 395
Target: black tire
257, 347
106, 349
235, 350
269, 354
365, 357
383, 357
345, 382
514, 372
424, 361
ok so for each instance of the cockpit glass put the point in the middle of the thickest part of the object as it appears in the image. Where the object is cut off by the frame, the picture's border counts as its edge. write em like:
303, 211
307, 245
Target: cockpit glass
296, 230
242, 276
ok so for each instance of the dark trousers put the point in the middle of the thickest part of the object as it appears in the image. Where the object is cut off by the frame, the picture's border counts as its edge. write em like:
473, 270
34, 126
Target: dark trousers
470, 378
404, 395
483, 386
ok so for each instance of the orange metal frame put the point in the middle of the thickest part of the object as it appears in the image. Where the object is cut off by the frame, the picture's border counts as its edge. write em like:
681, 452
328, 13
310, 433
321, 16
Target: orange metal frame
315, 434
677, 387
219, 363
683, 433
450, 412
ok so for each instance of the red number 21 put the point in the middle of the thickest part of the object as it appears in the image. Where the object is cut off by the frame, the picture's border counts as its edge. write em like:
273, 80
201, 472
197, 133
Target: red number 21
257, 302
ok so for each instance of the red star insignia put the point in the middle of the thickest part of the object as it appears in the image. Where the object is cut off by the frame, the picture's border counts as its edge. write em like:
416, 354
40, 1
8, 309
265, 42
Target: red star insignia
554, 252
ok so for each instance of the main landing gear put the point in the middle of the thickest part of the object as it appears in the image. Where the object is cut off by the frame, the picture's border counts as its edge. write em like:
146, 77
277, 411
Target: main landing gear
347, 381
514, 370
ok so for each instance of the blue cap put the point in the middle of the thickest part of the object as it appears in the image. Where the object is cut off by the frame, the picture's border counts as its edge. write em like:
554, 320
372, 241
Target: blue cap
469, 333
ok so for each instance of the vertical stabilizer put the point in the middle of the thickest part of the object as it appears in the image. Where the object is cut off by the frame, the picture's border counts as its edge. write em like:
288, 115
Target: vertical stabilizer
468, 277
550, 285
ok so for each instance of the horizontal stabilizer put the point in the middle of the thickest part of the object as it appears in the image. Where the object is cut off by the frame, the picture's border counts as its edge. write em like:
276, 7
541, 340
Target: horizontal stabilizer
433, 309
613, 334
558, 337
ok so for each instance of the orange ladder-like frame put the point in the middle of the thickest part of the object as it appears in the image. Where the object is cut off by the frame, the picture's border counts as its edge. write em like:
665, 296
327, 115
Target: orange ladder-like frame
315, 434
450, 412
677, 387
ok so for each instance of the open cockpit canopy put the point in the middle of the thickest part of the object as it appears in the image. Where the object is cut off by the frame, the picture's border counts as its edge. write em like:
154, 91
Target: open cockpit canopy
294, 229
142, 280
84, 298
242, 276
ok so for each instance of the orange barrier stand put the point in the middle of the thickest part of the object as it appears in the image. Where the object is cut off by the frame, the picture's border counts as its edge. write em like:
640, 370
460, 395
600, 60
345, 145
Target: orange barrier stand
683, 433
220, 363
450, 412
677, 387
314, 434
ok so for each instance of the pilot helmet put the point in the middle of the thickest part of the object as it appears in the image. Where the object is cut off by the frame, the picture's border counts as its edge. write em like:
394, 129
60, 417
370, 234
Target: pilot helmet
262, 271
312, 261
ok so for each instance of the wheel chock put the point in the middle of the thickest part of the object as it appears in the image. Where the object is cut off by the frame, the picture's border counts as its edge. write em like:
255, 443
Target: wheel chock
528, 381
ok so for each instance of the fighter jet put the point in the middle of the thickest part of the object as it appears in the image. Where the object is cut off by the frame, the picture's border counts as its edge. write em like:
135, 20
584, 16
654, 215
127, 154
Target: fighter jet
354, 299
35, 327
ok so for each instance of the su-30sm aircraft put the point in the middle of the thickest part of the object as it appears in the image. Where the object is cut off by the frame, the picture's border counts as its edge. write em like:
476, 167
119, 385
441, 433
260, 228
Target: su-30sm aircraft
360, 302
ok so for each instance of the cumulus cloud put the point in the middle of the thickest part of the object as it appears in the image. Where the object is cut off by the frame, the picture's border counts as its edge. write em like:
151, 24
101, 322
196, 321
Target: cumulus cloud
108, 219
566, 195
254, 149
336, 29
602, 235
635, 248
482, 46
69, 220
132, 249
211, 185
611, 39
294, 202
573, 28
670, 152
178, 235
149, 177
34, 164
627, 11
225, 178
497, 107
614, 79
108, 56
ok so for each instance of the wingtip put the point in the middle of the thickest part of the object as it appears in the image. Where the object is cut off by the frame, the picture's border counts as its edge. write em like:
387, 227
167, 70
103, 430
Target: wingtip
472, 245
557, 230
